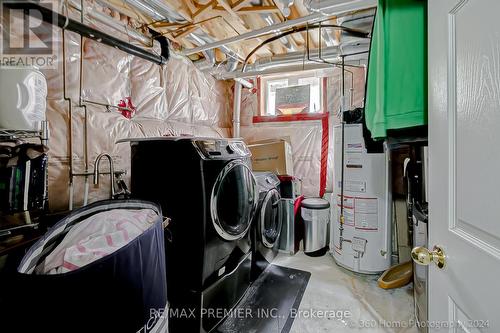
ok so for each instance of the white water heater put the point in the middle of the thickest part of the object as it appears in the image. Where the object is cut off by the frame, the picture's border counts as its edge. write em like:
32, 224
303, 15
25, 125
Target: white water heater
23, 93
361, 240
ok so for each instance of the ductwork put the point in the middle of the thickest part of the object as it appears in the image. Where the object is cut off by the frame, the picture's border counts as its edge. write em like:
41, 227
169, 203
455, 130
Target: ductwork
144, 8
92, 13
337, 8
284, 6
327, 36
208, 54
330, 7
329, 54
359, 21
356, 54
161, 11
157, 10
271, 20
203, 38
236, 109
166, 10
199, 37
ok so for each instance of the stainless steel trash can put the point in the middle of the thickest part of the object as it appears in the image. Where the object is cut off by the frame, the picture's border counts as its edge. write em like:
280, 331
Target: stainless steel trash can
316, 215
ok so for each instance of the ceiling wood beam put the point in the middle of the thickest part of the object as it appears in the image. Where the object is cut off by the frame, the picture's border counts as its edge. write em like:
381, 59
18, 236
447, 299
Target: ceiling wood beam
240, 4
252, 10
191, 6
167, 24
204, 8
227, 7
186, 32
259, 9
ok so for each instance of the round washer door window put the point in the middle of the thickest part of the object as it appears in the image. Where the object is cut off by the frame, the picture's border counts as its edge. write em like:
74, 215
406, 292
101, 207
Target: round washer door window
270, 218
234, 200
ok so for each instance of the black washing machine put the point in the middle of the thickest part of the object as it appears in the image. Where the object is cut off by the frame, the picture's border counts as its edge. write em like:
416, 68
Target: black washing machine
267, 222
206, 187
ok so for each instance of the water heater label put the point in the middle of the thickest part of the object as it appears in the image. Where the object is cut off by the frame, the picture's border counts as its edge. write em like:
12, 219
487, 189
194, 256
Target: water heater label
355, 186
366, 221
366, 205
359, 244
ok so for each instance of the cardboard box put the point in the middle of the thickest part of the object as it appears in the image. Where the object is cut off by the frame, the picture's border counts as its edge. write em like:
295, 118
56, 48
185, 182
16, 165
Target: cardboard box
272, 155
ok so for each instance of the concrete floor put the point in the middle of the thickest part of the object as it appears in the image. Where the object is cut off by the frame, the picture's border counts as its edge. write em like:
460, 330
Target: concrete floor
350, 302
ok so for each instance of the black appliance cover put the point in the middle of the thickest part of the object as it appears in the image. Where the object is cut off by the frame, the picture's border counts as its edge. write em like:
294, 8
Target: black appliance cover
122, 292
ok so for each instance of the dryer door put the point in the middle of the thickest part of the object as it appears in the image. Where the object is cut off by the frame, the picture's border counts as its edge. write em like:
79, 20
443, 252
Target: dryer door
234, 200
270, 218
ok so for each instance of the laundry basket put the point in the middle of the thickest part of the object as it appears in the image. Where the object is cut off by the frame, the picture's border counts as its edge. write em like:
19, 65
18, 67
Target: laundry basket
124, 291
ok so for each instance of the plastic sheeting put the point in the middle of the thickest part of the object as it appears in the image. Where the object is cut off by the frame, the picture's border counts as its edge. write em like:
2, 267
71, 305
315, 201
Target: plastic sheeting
175, 99
306, 136
171, 100
305, 139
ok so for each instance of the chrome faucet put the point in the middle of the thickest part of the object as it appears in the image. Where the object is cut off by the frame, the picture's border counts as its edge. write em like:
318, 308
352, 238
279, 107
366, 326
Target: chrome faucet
111, 171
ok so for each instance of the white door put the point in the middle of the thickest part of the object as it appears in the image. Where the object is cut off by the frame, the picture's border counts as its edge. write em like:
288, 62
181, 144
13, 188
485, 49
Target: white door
464, 163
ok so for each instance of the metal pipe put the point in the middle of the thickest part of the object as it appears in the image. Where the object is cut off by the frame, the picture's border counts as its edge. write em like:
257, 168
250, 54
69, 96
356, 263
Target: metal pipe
342, 176
164, 9
288, 66
111, 171
285, 7
330, 7
112, 23
206, 39
236, 109
355, 50
208, 54
70, 122
336, 10
85, 117
65, 22
271, 21
306, 27
351, 89
144, 8
255, 33
244, 83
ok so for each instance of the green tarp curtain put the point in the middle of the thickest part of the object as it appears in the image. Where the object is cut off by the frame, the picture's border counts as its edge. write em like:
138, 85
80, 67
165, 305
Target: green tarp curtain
396, 95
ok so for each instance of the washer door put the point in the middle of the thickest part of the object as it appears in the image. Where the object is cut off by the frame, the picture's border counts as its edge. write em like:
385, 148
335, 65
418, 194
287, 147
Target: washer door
234, 200
270, 218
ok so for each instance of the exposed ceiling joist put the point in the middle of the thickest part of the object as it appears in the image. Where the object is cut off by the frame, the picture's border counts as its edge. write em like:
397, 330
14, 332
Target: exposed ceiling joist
227, 7
204, 8
250, 10
240, 4
191, 6
231, 26
186, 32
259, 9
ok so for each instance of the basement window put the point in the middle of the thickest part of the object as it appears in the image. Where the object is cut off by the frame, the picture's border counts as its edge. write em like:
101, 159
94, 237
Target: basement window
290, 97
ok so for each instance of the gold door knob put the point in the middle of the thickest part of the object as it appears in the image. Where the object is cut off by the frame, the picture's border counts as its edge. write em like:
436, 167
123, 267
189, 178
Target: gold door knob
423, 256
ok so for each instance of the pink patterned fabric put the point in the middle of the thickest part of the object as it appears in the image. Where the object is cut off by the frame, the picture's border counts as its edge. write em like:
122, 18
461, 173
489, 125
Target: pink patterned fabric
97, 237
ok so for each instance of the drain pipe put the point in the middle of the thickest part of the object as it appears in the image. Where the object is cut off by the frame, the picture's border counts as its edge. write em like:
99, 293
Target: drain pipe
244, 83
236, 109
342, 172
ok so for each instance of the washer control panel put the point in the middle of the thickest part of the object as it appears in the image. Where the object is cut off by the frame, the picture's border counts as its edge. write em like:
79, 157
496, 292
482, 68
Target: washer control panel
222, 148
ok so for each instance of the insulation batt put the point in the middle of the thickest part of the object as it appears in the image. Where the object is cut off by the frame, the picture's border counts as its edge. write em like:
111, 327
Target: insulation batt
173, 99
